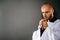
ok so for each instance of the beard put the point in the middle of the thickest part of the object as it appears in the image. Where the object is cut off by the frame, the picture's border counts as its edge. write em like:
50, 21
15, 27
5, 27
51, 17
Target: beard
50, 17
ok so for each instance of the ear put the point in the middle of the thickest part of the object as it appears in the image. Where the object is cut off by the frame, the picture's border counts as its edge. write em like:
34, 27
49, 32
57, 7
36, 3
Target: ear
52, 10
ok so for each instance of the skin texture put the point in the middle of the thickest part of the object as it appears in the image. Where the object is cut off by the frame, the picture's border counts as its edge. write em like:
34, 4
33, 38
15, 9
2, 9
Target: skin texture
47, 12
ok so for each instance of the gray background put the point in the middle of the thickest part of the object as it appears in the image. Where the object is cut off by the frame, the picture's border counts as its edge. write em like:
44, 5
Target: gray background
20, 18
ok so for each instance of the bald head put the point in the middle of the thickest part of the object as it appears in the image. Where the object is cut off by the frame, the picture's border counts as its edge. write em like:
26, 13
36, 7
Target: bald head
47, 11
47, 4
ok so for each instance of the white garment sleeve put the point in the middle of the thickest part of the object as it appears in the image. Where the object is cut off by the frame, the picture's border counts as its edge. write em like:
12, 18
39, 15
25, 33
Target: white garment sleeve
36, 34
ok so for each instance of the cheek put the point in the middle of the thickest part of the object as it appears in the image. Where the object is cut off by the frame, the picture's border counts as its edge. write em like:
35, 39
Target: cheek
48, 15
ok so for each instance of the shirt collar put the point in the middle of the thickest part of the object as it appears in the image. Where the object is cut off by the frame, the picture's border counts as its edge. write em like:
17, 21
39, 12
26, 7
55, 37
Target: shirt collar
53, 19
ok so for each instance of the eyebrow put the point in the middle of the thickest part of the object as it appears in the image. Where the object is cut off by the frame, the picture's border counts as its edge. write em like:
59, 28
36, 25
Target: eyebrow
45, 12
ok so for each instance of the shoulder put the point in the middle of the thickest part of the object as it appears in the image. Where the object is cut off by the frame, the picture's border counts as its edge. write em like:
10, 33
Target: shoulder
56, 25
57, 21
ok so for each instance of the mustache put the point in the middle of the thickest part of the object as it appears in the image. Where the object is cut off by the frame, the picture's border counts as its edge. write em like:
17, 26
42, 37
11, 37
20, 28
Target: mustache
48, 18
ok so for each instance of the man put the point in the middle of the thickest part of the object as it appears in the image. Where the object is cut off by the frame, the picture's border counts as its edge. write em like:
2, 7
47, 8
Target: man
49, 25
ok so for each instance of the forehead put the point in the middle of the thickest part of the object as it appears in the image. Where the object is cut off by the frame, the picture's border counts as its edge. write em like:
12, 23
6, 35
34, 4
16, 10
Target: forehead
46, 8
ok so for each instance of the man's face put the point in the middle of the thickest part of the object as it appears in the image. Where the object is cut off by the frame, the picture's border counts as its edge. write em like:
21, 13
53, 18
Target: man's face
47, 11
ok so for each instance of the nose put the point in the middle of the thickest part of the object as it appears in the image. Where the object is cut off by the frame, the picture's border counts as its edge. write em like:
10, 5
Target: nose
44, 14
